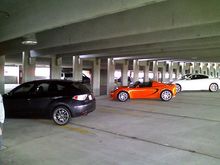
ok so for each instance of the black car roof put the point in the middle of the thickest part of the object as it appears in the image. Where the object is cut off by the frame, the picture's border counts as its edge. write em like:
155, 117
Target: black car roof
53, 80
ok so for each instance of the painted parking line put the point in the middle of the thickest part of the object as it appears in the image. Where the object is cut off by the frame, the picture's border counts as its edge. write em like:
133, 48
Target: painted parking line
130, 111
113, 111
70, 128
77, 129
149, 141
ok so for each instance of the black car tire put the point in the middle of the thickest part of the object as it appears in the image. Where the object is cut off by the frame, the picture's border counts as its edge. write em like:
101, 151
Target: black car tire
123, 96
61, 115
213, 87
166, 95
178, 88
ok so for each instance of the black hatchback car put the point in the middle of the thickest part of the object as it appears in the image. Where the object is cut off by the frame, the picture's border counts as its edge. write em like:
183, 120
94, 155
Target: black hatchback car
58, 99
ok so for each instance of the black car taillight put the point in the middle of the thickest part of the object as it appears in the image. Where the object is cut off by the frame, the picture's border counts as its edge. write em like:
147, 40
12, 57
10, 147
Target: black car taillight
83, 97
80, 97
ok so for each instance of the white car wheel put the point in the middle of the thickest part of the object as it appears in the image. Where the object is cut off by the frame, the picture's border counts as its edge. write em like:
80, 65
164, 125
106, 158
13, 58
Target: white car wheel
213, 87
178, 88
166, 95
123, 96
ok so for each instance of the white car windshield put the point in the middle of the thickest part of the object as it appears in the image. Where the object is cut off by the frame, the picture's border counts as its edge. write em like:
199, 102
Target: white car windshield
187, 76
193, 77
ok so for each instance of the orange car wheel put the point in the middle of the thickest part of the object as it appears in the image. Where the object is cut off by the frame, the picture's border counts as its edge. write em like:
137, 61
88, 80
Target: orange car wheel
123, 96
166, 95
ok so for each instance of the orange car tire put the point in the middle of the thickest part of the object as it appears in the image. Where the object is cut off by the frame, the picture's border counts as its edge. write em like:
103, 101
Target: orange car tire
123, 96
166, 95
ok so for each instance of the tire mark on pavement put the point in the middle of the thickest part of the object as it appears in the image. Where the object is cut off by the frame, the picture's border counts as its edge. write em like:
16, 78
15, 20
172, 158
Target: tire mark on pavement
147, 141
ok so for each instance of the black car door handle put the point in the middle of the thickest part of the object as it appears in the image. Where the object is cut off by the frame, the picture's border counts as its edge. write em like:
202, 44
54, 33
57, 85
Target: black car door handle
57, 97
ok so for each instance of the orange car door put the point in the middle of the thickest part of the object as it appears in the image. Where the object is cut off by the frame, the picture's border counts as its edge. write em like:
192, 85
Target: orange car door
143, 92
149, 92
137, 93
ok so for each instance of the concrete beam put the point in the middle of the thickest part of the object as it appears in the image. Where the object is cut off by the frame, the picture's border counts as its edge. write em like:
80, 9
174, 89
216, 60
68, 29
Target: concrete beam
137, 29
30, 17
179, 39
163, 16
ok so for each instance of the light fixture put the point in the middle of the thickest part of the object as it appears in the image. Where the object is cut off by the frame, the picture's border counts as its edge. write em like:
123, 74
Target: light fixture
4, 13
29, 39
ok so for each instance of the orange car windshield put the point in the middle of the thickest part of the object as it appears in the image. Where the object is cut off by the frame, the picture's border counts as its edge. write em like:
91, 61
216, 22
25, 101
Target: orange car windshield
134, 85
139, 84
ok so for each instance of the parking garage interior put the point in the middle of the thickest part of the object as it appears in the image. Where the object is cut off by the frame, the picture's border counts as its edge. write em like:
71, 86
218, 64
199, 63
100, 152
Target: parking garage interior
107, 40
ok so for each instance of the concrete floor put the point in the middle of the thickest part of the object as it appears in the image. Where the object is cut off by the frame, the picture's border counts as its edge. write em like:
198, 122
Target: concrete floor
185, 130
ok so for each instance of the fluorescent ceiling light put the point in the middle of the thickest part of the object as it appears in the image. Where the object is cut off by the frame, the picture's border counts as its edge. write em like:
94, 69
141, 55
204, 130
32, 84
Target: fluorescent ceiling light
29, 39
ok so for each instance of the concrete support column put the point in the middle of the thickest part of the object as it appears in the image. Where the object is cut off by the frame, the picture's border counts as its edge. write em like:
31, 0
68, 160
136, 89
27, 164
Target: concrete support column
96, 76
192, 68
110, 75
212, 69
2, 77
208, 69
28, 67
55, 67
178, 70
183, 68
77, 68
215, 70
170, 71
199, 69
155, 70
164, 72
218, 70
146, 71
125, 73
136, 69
204, 68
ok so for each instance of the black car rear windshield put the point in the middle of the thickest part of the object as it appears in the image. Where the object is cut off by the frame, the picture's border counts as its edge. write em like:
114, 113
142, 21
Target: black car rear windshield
80, 86
69, 87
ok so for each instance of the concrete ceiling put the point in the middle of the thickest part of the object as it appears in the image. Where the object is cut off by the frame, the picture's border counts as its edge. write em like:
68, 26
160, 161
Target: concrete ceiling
163, 29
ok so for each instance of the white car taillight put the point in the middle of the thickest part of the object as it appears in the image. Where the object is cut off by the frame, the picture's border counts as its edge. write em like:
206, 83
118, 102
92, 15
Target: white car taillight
80, 97
90, 97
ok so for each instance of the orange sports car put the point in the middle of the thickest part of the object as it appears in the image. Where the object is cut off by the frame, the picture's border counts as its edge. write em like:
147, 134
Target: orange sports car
151, 90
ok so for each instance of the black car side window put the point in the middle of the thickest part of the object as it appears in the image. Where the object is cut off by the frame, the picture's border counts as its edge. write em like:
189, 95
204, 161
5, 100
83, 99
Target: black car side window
23, 89
60, 87
52, 88
57, 88
194, 77
42, 88
203, 76
146, 84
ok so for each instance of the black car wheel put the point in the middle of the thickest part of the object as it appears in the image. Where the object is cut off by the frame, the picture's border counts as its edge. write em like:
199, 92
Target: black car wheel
61, 115
166, 95
178, 88
123, 96
213, 87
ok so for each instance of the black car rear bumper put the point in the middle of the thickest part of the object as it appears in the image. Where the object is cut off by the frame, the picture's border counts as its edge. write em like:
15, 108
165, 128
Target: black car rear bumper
79, 110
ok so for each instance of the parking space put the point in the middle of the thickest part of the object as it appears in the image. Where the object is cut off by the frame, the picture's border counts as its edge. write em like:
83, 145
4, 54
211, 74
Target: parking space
185, 130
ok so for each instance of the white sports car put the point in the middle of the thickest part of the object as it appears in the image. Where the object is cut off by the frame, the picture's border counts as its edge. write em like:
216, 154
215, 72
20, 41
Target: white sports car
196, 82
